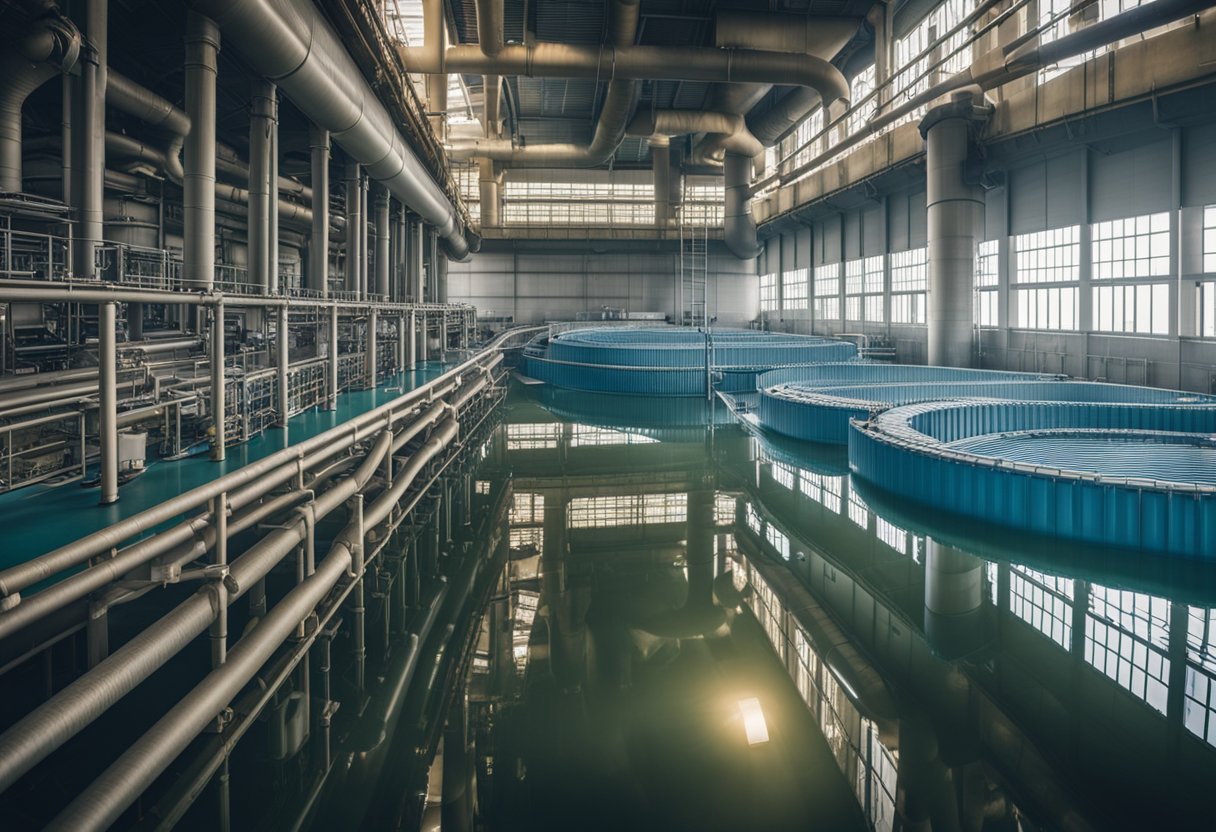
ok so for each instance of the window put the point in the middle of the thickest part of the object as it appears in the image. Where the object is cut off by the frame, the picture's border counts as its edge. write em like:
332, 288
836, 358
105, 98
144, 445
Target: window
531, 437
827, 292
768, 292
799, 144
987, 278
863, 288
861, 86
526, 507
1209, 239
1207, 309
1048, 256
1043, 601
1127, 638
1048, 308
578, 203
794, 289
913, 53
784, 475
1143, 308
1133, 247
909, 282
892, 535
859, 512
823, 489
778, 541
724, 509
591, 435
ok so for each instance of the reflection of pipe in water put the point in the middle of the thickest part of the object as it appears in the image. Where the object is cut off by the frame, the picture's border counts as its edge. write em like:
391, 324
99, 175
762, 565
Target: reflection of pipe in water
567, 604
954, 598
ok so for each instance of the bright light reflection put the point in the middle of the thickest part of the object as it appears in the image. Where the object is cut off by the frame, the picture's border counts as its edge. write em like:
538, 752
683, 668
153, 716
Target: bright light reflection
753, 721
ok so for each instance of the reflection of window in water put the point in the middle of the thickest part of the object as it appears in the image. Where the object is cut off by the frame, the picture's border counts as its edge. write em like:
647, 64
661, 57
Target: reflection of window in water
778, 541
528, 536
627, 510
1043, 601
892, 535
859, 512
1199, 691
589, 435
753, 519
784, 475
531, 437
724, 510
1127, 638
823, 489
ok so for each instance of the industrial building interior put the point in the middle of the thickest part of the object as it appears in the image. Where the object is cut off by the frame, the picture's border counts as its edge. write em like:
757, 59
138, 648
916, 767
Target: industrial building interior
478, 415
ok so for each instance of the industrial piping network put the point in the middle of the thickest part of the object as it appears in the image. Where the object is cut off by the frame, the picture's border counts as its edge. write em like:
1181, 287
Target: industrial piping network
422, 425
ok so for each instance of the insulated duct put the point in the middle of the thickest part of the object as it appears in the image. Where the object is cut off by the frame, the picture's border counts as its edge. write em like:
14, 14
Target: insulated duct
145, 105
729, 132
292, 44
739, 226
46, 48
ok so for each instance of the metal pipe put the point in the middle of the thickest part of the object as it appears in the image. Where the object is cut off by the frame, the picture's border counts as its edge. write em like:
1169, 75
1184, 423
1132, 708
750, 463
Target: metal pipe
332, 370
411, 341
354, 223
739, 226
728, 131
49, 47
261, 115
283, 363
361, 291
89, 167
272, 219
660, 164
136, 100
415, 261
318, 242
218, 402
198, 182
292, 43
382, 239
107, 416
371, 351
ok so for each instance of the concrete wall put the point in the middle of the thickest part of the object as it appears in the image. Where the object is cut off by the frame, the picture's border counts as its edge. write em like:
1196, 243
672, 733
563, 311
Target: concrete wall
545, 286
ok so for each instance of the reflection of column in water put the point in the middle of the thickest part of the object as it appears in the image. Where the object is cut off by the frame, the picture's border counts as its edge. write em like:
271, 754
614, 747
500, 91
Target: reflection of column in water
954, 597
700, 553
925, 792
567, 604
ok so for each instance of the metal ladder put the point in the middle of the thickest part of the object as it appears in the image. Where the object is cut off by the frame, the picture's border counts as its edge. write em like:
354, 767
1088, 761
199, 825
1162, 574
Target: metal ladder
694, 270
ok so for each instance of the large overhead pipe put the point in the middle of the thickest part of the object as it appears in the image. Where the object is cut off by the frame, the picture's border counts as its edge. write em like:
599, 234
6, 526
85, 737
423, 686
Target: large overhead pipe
198, 181
731, 131
609, 128
261, 115
739, 226
318, 243
49, 46
291, 43
133, 99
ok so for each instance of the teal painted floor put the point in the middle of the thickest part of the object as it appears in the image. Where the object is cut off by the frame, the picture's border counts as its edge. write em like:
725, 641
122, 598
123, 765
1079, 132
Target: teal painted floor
40, 518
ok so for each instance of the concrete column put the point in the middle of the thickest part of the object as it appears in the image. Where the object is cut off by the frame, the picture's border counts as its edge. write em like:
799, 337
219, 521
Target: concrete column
198, 184
261, 116
218, 404
441, 276
955, 222
954, 596
372, 320
281, 364
382, 234
354, 219
107, 413
332, 403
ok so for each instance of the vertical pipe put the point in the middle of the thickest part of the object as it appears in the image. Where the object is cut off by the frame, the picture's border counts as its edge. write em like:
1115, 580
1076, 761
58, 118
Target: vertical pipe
382, 232
415, 265
198, 184
89, 165
272, 199
955, 218
353, 221
107, 415
364, 253
401, 356
281, 365
332, 403
260, 118
432, 267
318, 243
357, 600
411, 341
218, 404
372, 321
660, 164
423, 334
65, 141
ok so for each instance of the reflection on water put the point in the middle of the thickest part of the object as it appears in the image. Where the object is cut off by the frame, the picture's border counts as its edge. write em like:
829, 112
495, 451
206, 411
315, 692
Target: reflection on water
957, 677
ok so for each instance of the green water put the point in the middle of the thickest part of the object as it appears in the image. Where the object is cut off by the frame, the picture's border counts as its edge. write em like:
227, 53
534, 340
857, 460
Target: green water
41, 518
976, 679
